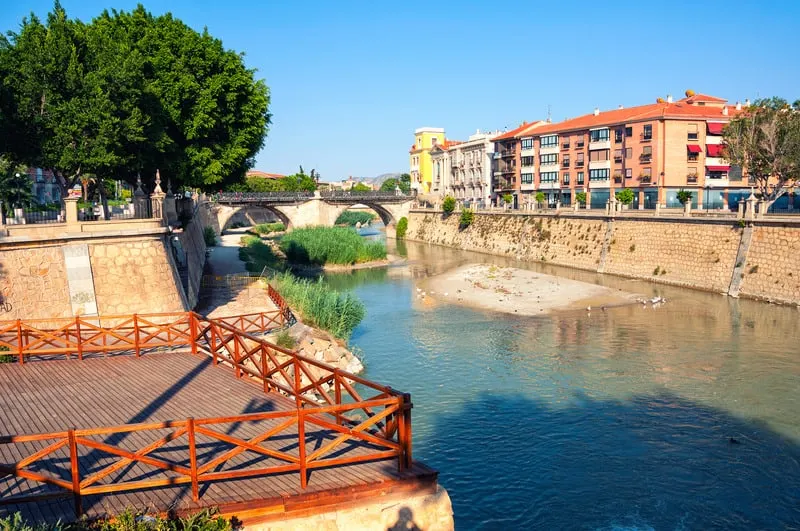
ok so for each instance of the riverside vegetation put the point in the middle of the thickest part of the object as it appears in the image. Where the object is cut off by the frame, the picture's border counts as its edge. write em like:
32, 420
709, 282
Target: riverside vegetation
352, 218
319, 246
316, 302
264, 229
129, 520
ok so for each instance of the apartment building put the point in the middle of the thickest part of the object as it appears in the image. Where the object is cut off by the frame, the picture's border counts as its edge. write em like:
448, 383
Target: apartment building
421, 169
465, 169
655, 150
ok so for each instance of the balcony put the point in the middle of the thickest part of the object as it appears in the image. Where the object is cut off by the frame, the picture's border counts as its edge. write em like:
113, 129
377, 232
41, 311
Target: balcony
549, 185
579, 144
506, 154
564, 145
565, 182
579, 164
645, 179
691, 179
565, 163
599, 164
645, 159
617, 160
644, 137
618, 179
600, 144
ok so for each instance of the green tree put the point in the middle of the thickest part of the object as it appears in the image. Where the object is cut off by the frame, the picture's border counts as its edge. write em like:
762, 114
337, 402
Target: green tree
539, 197
361, 187
402, 227
765, 141
684, 196
508, 198
449, 204
15, 185
404, 183
625, 196
466, 219
580, 198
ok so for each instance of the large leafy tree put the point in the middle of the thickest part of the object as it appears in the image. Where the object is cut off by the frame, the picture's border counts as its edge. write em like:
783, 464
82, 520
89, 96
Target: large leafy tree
404, 183
15, 185
127, 94
765, 141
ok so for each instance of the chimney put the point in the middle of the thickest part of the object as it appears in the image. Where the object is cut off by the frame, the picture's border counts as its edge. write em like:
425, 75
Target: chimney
596, 111
738, 106
725, 110
669, 98
747, 102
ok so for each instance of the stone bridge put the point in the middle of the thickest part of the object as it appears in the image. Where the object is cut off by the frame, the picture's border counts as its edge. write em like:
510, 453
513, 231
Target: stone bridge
304, 209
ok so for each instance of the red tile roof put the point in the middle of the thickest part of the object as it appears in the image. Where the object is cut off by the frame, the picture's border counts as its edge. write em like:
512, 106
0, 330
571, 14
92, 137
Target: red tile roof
704, 97
523, 129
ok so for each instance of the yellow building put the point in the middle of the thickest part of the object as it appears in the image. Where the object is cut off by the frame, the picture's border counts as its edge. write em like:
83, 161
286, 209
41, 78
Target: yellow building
420, 157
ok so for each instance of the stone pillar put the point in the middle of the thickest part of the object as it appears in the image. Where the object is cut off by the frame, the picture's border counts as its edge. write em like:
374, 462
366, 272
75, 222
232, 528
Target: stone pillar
658, 209
558, 206
71, 210
750, 209
140, 201
576, 206
687, 208
762, 209
170, 213
740, 210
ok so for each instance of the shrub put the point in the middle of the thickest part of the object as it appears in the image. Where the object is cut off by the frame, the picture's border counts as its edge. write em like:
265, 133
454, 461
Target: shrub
625, 196
449, 204
205, 520
350, 217
402, 227
5, 358
508, 198
210, 236
320, 305
467, 217
539, 197
684, 196
268, 228
330, 245
285, 340
580, 197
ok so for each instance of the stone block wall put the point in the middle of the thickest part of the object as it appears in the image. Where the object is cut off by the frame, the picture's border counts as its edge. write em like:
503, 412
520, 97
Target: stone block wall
134, 277
772, 268
194, 246
575, 242
33, 284
699, 255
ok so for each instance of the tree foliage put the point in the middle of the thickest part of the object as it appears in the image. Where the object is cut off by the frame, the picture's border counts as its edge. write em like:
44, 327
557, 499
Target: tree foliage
625, 196
129, 93
765, 141
15, 185
361, 187
684, 196
404, 183
580, 198
449, 204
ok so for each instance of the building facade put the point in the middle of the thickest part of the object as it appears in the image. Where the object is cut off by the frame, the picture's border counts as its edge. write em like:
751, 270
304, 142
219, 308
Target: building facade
468, 169
421, 168
656, 150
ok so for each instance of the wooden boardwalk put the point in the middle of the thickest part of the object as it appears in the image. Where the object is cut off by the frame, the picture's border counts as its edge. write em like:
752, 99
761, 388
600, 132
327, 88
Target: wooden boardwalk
56, 395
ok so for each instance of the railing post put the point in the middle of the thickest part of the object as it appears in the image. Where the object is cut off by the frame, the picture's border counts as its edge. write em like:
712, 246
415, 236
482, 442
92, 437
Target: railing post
76, 473
20, 346
264, 367
404, 432
193, 457
193, 332
78, 336
213, 329
298, 400
337, 390
236, 354
137, 350
301, 447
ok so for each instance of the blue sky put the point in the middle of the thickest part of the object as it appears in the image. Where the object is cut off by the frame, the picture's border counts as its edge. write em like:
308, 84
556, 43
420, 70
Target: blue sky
350, 81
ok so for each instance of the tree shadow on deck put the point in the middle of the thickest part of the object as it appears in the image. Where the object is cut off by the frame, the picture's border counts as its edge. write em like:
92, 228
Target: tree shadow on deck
654, 462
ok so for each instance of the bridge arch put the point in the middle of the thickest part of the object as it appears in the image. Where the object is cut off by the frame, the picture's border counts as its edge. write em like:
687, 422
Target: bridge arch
226, 213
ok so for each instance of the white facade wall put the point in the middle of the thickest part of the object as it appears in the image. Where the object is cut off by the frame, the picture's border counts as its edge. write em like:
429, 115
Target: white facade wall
469, 175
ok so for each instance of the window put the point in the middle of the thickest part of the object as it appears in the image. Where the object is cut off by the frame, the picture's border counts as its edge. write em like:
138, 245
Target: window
618, 135
579, 160
527, 161
580, 143
527, 143
598, 155
599, 175
647, 132
693, 157
647, 173
628, 173
549, 158
527, 178
548, 177
647, 152
691, 175
565, 161
598, 135
691, 133
629, 131
433, 141
628, 153
565, 143
565, 178
617, 155
549, 141
580, 177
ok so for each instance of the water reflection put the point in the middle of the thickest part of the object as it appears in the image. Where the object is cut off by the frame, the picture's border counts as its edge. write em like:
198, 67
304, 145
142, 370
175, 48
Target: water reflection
590, 420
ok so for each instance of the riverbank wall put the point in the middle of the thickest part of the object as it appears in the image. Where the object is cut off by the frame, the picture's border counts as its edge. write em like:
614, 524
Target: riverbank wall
759, 259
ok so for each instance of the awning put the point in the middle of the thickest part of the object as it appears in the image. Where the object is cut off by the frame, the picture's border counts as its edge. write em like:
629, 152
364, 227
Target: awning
714, 150
718, 168
715, 128
694, 148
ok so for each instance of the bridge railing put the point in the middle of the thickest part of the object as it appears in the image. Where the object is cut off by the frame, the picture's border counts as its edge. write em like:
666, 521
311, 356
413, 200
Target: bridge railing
260, 197
349, 195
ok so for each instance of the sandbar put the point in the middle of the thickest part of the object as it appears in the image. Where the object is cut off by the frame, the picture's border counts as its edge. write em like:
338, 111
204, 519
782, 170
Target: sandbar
519, 291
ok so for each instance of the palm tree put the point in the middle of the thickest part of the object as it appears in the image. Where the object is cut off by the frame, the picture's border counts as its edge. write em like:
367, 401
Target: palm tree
15, 185
86, 180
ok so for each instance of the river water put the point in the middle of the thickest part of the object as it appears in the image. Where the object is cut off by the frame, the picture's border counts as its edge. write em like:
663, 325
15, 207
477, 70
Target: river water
686, 416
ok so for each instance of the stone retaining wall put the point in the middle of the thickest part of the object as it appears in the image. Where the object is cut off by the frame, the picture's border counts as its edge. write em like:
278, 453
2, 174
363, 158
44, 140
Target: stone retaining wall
33, 284
697, 253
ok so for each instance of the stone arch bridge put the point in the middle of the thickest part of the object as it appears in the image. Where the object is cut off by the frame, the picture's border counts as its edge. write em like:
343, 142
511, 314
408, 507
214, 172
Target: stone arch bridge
304, 209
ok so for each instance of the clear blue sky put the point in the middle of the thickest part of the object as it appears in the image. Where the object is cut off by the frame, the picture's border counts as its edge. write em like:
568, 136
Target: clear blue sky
350, 81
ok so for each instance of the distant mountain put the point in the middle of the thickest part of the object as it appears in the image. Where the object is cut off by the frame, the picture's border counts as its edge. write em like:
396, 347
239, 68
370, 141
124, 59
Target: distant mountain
382, 177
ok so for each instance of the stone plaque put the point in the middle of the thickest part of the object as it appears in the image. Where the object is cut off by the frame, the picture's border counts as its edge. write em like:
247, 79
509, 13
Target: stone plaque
80, 280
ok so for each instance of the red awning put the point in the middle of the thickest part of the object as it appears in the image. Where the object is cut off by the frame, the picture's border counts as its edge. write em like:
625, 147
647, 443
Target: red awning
714, 150
715, 128
718, 168
694, 148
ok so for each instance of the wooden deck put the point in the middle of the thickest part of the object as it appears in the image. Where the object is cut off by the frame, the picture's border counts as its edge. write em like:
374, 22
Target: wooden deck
56, 395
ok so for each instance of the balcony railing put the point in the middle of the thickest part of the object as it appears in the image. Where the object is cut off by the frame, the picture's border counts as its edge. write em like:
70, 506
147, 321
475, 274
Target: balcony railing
691, 179
564, 145
579, 164
617, 160
618, 179
645, 179
580, 144
646, 138
645, 158
565, 163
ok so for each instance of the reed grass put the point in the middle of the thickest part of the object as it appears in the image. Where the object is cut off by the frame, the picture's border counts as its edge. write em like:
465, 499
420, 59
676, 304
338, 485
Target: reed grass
330, 245
268, 228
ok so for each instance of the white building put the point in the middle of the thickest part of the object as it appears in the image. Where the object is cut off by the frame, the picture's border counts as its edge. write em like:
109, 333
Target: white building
466, 172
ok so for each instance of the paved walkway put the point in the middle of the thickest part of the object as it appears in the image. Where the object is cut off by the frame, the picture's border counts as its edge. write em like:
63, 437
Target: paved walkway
224, 258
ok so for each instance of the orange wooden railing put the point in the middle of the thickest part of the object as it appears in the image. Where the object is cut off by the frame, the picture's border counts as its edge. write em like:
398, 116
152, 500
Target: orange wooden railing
323, 396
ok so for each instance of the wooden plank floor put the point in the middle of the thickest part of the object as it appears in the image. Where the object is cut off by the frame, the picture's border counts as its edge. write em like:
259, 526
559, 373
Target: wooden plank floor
51, 396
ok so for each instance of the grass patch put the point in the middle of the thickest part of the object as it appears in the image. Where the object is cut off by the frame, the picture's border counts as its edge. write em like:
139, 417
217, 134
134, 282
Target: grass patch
351, 217
206, 520
285, 340
320, 305
330, 245
268, 228
257, 255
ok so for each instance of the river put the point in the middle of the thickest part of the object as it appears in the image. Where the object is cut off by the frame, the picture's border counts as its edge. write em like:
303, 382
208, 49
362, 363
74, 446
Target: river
685, 416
